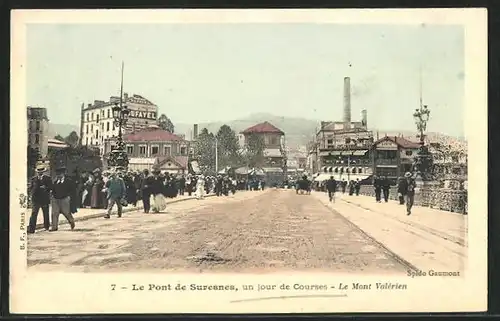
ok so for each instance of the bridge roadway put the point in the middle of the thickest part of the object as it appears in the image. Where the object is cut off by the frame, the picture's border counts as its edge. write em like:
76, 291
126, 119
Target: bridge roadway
252, 231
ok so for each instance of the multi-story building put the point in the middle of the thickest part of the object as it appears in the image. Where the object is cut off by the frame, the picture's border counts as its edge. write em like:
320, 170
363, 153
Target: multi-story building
38, 129
154, 147
273, 138
97, 122
392, 156
342, 151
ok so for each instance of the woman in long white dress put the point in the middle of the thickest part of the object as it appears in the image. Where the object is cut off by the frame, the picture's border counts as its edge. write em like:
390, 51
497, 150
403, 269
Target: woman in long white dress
158, 190
200, 187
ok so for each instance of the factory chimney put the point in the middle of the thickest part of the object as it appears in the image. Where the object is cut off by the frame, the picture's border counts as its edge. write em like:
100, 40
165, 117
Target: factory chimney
195, 131
347, 102
364, 120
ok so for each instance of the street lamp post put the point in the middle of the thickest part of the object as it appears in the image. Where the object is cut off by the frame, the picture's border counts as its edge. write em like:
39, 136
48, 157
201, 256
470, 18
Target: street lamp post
421, 116
118, 156
423, 161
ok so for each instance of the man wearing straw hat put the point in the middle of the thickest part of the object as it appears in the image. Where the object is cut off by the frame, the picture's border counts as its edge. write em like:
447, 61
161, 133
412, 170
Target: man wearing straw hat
407, 188
62, 189
40, 197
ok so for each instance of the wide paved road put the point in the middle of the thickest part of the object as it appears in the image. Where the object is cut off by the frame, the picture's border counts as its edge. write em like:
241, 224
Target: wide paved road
269, 231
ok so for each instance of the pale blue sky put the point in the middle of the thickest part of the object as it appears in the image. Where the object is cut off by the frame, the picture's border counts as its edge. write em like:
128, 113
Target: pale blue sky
199, 73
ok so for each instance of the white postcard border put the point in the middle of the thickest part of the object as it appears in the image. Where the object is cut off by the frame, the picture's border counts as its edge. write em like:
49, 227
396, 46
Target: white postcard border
58, 292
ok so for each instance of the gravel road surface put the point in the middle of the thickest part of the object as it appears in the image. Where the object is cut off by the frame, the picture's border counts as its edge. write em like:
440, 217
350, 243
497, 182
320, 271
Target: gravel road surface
257, 232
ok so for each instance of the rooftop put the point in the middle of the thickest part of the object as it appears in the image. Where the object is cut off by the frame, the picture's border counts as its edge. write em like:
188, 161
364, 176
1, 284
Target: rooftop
262, 128
153, 134
402, 142
134, 99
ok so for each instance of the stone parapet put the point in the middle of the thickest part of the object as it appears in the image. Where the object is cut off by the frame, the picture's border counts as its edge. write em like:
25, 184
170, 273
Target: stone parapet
438, 198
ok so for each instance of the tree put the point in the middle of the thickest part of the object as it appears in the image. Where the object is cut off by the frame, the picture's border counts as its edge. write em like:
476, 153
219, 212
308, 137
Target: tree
165, 123
255, 150
75, 158
228, 147
205, 150
72, 139
59, 137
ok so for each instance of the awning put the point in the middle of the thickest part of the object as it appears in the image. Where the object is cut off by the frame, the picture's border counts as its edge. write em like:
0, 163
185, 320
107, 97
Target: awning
323, 169
322, 177
336, 152
346, 153
359, 152
330, 169
242, 170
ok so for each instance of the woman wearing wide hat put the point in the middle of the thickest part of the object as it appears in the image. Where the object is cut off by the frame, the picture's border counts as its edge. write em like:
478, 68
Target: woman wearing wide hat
157, 189
97, 196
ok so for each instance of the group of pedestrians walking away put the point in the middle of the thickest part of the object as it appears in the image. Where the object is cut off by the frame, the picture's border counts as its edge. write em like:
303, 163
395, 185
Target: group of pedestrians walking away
382, 185
118, 188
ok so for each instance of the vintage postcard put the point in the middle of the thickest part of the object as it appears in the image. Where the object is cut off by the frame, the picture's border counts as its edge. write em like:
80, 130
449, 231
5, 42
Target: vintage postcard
248, 161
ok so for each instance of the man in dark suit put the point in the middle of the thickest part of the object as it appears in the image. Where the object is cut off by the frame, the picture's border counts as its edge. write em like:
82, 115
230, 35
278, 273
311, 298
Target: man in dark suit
62, 190
386, 187
357, 186
146, 186
40, 188
182, 185
377, 184
331, 187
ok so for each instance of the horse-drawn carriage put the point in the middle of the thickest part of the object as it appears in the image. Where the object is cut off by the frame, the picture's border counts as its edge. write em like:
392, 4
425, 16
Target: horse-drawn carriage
303, 186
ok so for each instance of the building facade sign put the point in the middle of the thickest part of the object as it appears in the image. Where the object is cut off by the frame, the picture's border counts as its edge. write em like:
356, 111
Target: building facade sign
142, 114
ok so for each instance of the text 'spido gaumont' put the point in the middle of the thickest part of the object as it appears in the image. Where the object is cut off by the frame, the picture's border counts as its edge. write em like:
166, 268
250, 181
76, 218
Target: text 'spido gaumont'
413, 274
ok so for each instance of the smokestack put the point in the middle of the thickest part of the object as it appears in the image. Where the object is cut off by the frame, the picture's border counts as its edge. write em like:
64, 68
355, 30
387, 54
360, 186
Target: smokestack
364, 119
195, 131
347, 102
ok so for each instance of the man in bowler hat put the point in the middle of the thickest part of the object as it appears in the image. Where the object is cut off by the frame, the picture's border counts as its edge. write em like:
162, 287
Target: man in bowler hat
62, 190
40, 188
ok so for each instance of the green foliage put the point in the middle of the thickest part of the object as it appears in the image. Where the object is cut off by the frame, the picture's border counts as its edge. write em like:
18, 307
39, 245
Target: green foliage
78, 158
254, 154
228, 147
205, 150
72, 139
165, 123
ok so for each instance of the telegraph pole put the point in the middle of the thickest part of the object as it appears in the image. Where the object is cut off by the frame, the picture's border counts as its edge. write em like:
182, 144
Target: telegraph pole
216, 157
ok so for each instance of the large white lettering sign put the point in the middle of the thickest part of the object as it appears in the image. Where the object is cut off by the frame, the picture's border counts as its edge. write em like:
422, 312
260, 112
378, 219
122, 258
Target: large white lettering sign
142, 114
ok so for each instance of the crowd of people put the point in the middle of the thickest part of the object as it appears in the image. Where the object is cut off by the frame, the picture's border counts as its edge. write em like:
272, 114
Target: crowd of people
382, 185
109, 188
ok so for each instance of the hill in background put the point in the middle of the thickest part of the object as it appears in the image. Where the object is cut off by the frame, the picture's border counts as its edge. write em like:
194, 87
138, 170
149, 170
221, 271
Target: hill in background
62, 129
299, 131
